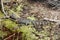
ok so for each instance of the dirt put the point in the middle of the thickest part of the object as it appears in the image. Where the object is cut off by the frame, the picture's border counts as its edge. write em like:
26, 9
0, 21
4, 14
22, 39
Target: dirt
41, 11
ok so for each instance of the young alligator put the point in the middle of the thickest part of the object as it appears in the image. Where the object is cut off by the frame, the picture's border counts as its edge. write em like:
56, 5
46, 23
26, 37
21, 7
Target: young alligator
37, 24
24, 21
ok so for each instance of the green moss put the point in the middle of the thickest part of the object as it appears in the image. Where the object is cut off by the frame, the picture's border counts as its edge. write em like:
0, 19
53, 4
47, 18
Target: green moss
1, 14
27, 32
31, 18
19, 8
10, 24
2, 34
25, 28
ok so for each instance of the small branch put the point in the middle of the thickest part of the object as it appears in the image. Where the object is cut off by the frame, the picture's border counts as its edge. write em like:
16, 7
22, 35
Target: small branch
57, 21
10, 36
3, 9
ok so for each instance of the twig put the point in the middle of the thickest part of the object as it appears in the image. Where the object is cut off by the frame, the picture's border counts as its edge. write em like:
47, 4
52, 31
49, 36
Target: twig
57, 21
3, 9
10, 36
